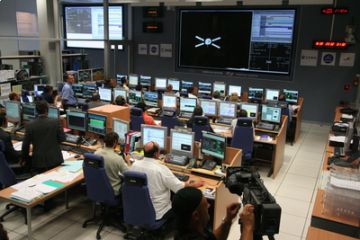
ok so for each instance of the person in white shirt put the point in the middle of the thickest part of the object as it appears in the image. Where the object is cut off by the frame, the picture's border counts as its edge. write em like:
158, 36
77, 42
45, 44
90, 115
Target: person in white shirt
169, 90
192, 92
160, 180
242, 113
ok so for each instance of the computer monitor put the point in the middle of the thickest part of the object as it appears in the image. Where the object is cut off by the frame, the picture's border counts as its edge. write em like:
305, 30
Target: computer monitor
234, 89
105, 94
119, 76
151, 99
271, 114
220, 87
209, 107
96, 124
291, 96
54, 113
160, 83
272, 94
120, 92
78, 90
133, 80
182, 143
169, 101
76, 120
251, 109
135, 97
145, 80
185, 85
187, 104
154, 133
28, 112
39, 89
12, 109
121, 127
227, 109
205, 88
175, 83
255, 93
85, 75
213, 145
89, 90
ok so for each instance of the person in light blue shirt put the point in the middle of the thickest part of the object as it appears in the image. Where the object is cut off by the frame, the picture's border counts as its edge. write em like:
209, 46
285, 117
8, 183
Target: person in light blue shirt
67, 93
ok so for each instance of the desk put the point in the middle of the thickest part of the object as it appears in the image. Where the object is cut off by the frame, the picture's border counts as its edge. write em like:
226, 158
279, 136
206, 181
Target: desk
318, 234
297, 118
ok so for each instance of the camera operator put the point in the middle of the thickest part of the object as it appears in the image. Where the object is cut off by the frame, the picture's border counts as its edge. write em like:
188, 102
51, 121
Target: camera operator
191, 211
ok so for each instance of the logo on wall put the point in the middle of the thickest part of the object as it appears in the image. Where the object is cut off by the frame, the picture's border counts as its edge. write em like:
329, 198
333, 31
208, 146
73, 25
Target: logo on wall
207, 42
328, 58
154, 49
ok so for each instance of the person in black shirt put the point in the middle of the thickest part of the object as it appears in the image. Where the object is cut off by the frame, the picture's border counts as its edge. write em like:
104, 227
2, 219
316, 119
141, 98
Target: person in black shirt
198, 111
12, 156
191, 211
47, 95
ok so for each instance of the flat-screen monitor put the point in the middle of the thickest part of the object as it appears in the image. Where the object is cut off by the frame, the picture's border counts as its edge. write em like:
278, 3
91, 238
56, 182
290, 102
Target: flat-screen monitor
182, 143
98, 74
185, 85
209, 107
105, 94
76, 120
89, 90
169, 101
270, 114
187, 104
255, 93
153, 133
251, 110
39, 89
96, 124
54, 113
78, 90
28, 112
145, 80
121, 127
87, 22
234, 89
213, 145
291, 96
133, 80
85, 75
119, 76
120, 92
135, 97
151, 99
160, 83
12, 109
220, 87
205, 88
175, 83
272, 94
227, 109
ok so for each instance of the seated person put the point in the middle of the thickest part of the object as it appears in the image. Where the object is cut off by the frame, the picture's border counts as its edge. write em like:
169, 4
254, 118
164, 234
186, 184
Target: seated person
13, 96
124, 83
120, 101
234, 97
216, 96
192, 92
110, 83
169, 90
160, 180
113, 163
191, 213
11, 155
47, 95
95, 101
139, 87
147, 119
198, 111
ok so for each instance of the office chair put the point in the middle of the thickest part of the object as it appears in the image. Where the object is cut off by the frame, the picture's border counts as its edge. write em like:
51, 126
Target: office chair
136, 119
99, 190
201, 123
169, 120
290, 128
243, 137
138, 208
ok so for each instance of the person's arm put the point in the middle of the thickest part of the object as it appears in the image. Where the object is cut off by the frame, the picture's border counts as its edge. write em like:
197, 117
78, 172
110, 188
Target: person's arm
60, 134
26, 146
248, 222
222, 232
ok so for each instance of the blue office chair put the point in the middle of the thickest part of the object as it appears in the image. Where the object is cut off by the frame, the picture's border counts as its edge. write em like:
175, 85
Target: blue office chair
138, 208
136, 119
201, 123
290, 128
100, 191
169, 120
243, 138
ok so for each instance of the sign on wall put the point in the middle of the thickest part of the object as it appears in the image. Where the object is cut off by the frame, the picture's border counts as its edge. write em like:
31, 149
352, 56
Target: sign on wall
142, 49
347, 59
166, 50
309, 58
328, 58
154, 49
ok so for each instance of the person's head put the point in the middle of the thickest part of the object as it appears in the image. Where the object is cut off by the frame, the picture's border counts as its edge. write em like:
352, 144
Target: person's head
281, 97
111, 139
242, 113
124, 81
217, 95
191, 209
2, 118
192, 90
151, 150
3, 233
198, 111
139, 87
120, 101
169, 88
234, 97
70, 78
48, 89
95, 97
42, 107
13, 96
141, 105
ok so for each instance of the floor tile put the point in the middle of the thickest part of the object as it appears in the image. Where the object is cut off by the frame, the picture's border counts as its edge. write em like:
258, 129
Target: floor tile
293, 207
305, 170
299, 181
52, 228
15, 236
294, 192
286, 236
291, 224
76, 232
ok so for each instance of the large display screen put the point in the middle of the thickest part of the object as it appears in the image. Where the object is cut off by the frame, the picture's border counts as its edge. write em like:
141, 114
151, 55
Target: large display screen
237, 40
87, 22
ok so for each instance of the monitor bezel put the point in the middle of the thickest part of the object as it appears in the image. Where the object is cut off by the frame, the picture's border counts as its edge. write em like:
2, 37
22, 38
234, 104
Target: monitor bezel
111, 94
271, 89
287, 100
57, 110
192, 99
227, 102
124, 122
217, 135
88, 119
133, 75
157, 87
120, 89
164, 129
132, 90
169, 95
219, 83
76, 128
269, 121
22, 112
178, 152
257, 109
250, 88
174, 80
229, 93
11, 119
145, 85
146, 102
216, 107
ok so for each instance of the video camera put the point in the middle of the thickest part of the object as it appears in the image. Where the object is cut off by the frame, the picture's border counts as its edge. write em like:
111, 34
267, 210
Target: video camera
246, 182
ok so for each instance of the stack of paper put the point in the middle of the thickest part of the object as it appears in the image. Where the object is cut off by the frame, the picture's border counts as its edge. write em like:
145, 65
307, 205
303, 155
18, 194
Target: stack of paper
26, 194
344, 183
44, 188
73, 166
66, 155
18, 146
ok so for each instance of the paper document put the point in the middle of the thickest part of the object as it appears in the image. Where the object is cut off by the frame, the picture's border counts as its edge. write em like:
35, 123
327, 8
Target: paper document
73, 166
343, 183
17, 146
66, 155
337, 138
26, 194
43, 188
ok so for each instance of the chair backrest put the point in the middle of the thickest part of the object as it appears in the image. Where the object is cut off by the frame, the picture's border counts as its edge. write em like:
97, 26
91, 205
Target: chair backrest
7, 176
136, 118
200, 124
169, 120
243, 137
138, 208
98, 187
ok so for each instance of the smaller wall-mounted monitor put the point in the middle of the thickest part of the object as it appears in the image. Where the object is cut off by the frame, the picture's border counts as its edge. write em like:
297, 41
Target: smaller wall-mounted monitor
96, 124
272, 94
135, 97
89, 90
120, 92
291, 96
133, 80
85, 75
39, 89
105, 94
213, 145
185, 85
255, 93
220, 87
160, 83
155, 134
169, 101
227, 109
205, 88
121, 127
270, 114
175, 83
12, 109
145, 80
251, 109
209, 107
28, 112
187, 104
78, 90
76, 120
54, 113
151, 99
234, 89
182, 143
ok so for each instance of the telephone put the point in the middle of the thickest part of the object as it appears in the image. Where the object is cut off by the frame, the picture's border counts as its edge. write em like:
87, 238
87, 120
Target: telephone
208, 165
192, 163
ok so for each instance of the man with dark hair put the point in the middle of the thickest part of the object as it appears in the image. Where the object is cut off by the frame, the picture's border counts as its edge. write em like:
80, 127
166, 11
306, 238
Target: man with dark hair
67, 94
11, 155
147, 118
113, 163
124, 83
47, 95
160, 180
198, 111
45, 134
95, 101
120, 101
191, 212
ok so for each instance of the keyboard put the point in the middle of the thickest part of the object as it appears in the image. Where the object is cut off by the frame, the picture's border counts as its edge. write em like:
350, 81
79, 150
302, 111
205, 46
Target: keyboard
265, 126
185, 115
178, 160
339, 151
71, 138
17, 137
77, 150
182, 177
226, 121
